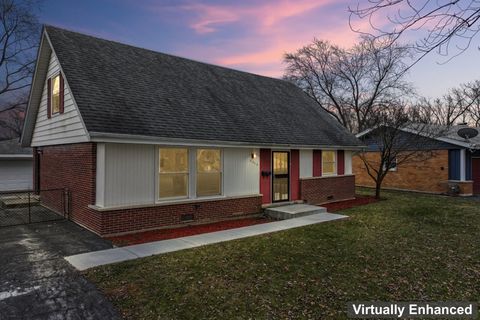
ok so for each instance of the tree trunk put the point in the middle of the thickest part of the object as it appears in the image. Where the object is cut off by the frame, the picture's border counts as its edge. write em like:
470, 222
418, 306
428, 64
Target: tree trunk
378, 187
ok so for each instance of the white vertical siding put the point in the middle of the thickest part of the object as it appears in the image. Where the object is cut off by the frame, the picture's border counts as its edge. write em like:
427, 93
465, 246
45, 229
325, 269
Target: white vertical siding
348, 162
241, 172
60, 128
129, 174
306, 163
100, 175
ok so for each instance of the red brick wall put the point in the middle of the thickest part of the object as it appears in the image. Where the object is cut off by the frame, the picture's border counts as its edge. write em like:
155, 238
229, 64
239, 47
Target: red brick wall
74, 167
127, 220
319, 190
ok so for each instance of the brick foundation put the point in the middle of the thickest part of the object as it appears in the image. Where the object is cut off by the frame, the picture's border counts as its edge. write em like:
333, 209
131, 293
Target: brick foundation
465, 187
127, 220
320, 190
74, 167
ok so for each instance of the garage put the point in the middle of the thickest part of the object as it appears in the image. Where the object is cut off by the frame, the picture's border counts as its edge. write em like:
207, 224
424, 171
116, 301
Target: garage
16, 166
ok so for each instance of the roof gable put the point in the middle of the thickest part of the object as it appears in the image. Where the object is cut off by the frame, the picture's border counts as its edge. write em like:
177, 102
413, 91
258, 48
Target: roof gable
124, 90
39, 130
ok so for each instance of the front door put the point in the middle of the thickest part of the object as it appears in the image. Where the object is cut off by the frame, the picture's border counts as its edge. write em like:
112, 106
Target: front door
280, 176
476, 175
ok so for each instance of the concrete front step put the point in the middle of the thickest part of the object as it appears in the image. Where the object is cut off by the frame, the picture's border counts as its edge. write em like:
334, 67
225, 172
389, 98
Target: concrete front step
293, 211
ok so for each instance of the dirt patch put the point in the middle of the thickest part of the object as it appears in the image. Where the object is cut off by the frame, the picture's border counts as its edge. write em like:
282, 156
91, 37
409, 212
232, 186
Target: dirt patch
164, 234
342, 205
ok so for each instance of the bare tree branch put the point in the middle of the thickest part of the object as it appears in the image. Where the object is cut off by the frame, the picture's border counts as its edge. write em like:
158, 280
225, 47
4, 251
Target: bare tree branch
440, 26
19, 34
350, 84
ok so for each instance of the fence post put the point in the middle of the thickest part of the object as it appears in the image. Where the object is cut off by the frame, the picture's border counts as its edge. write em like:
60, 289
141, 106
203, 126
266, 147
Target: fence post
66, 202
29, 209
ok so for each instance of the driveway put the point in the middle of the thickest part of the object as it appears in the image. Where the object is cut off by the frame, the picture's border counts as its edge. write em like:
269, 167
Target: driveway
37, 283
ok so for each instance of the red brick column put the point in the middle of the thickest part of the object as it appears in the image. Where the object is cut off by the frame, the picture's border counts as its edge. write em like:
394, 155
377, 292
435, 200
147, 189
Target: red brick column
266, 175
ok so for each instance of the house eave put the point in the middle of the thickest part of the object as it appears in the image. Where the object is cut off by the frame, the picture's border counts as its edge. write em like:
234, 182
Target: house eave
15, 156
141, 139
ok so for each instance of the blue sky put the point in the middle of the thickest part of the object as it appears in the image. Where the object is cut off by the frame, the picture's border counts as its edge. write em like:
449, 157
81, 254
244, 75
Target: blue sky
247, 35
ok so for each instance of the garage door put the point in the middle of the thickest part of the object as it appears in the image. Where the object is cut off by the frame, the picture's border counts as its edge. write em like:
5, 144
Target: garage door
16, 175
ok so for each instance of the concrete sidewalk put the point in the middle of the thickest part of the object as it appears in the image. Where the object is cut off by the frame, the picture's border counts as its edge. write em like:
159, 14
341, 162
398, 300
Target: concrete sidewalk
98, 258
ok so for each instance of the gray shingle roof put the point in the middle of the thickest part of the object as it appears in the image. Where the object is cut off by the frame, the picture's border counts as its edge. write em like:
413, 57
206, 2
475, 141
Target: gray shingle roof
122, 89
13, 147
403, 138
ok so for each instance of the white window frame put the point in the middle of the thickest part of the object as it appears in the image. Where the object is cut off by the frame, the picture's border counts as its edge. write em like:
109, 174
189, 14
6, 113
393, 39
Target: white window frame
335, 166
221, 173
157, 180
192, 175
51, 93
394, 169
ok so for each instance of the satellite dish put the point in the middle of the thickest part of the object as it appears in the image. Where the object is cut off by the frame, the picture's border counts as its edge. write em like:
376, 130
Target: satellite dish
467, 133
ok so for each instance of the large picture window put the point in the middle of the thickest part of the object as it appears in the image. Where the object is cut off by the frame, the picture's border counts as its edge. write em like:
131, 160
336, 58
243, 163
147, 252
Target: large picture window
329, 163
209, 172
173, 173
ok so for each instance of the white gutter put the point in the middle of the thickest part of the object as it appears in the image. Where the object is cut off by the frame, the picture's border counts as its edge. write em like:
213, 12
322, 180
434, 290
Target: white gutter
140, 139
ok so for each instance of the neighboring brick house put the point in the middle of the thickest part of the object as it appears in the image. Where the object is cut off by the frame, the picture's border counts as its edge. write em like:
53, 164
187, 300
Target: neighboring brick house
449, 162
144, 140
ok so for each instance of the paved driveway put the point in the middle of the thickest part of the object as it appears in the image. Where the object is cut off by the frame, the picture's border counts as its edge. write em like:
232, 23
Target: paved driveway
37, 283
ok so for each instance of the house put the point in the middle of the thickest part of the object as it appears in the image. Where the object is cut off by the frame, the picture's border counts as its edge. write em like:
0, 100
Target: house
452, 165
144, 140
16, 166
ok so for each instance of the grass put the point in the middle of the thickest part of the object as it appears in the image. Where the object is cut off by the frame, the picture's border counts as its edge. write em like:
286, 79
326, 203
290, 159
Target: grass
406, 247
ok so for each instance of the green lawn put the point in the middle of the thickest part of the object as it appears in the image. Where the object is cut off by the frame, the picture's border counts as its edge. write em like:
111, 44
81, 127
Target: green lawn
406, 247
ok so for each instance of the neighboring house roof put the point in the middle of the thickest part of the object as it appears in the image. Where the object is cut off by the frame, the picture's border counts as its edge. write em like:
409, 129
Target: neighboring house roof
13, 149
123, 90
446, 137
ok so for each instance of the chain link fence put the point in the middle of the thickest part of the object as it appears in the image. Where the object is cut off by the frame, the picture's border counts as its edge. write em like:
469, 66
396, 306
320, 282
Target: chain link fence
24, 207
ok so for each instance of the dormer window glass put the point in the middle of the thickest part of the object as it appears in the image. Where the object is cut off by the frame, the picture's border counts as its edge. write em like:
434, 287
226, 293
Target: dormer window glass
55, 107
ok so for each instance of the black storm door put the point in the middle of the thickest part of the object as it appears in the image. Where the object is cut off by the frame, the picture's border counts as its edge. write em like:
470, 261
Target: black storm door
281, 176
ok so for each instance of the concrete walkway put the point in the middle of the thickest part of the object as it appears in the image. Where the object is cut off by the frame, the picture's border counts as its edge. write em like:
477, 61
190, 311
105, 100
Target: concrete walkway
98, 258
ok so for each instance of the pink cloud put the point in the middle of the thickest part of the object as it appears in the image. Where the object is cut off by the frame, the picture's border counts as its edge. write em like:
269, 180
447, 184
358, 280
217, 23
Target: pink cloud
266, 31
210, 17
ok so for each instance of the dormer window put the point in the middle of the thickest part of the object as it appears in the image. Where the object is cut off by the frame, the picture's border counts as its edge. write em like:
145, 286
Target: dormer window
56, 94
55, 90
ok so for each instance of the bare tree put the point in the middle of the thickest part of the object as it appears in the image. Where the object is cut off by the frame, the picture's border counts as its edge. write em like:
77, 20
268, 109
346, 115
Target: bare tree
456, 106
350, 84
11, 124
399, 137
439, 25
19, 35
473, 93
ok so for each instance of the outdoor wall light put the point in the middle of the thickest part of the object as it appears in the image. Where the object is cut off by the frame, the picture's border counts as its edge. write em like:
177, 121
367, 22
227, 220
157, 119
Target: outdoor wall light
253, 155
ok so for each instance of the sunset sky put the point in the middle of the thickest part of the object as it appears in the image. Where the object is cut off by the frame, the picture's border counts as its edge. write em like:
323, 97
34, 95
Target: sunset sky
247, 35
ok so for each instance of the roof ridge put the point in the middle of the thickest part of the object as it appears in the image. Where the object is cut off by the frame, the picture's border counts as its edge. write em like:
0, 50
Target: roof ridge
46, 26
